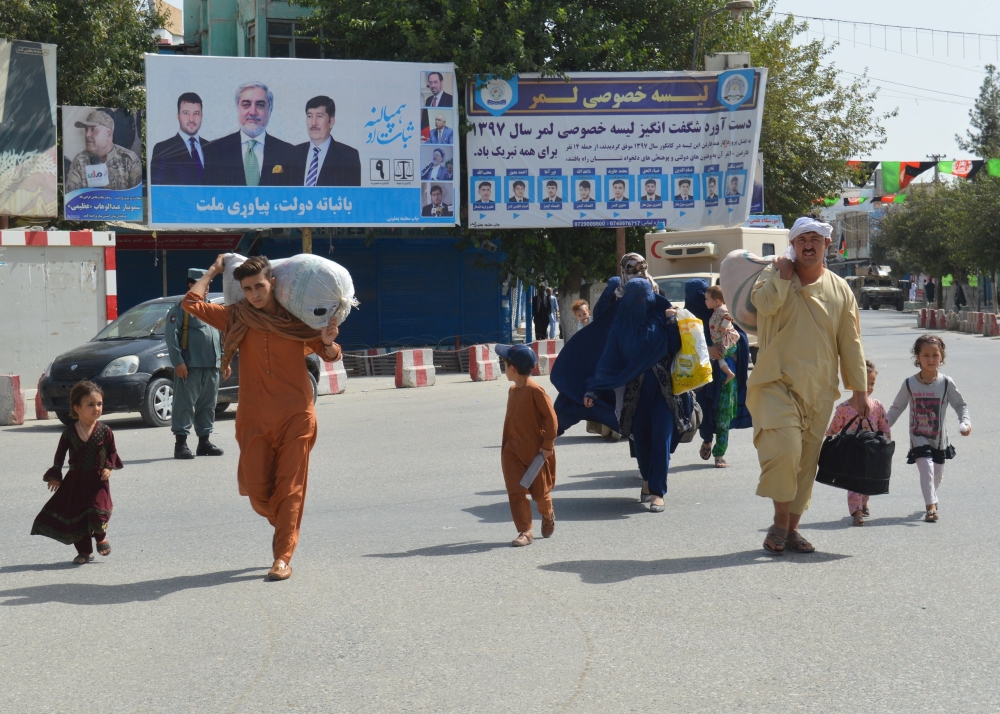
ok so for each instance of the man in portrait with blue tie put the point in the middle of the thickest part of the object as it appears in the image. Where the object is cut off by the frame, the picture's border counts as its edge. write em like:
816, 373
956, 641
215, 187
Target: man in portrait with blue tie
322, 161
250, 156
441, 133
180, 160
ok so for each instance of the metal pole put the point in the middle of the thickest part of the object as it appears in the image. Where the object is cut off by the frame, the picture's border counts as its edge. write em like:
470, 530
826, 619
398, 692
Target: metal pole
307, 240
620, 244
529, 336
937, 158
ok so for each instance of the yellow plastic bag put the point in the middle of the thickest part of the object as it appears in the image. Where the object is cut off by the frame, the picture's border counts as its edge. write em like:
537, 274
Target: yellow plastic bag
692, 368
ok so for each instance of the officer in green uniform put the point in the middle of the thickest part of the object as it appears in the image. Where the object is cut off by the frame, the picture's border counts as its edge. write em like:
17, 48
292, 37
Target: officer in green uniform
196, 353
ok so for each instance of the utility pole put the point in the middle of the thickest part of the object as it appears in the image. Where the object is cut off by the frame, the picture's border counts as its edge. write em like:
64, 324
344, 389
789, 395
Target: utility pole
937, 158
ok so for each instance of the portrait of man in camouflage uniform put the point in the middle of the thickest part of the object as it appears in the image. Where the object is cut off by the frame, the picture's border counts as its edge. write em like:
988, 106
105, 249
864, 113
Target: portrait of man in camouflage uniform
124, 166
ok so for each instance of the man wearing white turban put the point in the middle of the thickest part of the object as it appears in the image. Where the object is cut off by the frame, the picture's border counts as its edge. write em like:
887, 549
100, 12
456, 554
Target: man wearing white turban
807, 325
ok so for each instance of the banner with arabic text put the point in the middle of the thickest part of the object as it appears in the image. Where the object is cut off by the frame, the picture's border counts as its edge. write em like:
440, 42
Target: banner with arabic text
258, 142
611, 150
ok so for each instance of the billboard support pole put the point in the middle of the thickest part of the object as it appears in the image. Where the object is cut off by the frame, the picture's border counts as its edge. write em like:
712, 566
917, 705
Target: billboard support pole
620, 245
307, 240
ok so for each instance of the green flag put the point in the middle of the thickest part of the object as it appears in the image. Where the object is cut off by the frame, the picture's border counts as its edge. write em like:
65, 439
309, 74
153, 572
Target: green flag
890, 177
946, 167
993, 167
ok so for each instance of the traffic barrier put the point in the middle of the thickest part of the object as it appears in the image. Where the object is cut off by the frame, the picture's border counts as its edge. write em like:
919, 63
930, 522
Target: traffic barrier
546, 351
922, 318
942, 319
332, 378
931, 320
11, 400
40, 412
484, 365
953, 321
990, 326
977, 323
415, 368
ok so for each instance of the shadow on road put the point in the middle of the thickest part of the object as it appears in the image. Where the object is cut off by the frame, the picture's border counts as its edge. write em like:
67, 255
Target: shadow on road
148, 461
466, 548
99, 594
912, 520
568, 509
599, 481
600, 572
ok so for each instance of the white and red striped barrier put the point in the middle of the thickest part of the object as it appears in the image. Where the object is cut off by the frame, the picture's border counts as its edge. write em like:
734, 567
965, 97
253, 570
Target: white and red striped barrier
40, 412
80, 239
332, 378
11, 400
990, 326
484, 364
415, 368
976, 320
546, 351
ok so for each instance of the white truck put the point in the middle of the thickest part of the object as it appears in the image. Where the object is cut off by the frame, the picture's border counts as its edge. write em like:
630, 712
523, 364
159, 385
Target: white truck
676, 257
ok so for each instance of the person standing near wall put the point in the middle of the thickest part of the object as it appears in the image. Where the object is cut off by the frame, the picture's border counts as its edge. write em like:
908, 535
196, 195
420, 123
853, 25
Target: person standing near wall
553, 313
195, 350
541, 308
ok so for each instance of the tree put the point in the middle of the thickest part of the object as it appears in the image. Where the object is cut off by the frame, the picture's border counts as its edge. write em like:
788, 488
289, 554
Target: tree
983, 139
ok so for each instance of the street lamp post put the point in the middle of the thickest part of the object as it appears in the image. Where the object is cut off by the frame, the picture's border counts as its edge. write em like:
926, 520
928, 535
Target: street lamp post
736, 7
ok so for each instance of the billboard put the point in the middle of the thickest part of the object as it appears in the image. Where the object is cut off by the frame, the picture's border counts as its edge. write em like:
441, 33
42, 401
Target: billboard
28, 163
257, 142
757, 200
102, 164
611, 150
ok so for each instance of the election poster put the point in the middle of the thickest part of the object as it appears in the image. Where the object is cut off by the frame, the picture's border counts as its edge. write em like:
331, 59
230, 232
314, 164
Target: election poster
28, 160
102, 164
260, 142
757, 199
612, 150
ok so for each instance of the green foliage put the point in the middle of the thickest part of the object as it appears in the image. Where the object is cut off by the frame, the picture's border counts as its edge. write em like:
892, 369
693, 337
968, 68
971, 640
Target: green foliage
101, 45
983, 139
920, 235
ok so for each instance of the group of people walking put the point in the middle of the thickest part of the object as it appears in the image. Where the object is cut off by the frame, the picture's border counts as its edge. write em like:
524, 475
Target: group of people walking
616, 371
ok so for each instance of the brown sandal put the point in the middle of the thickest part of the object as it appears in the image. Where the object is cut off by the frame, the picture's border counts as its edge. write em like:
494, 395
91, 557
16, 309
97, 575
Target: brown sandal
776, 537
858, 517
524, 538
706, 451
931, 516
799, 544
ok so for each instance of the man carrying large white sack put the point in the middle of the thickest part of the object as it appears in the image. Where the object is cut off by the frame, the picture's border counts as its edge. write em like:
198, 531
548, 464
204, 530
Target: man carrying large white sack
807, 322
275, 421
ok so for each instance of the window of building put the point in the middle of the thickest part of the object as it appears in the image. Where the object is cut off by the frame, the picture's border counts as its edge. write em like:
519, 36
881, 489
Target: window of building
251, 48
284, 40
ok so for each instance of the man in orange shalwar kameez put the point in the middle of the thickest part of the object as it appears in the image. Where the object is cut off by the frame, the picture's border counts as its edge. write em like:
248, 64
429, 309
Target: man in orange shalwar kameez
275, 421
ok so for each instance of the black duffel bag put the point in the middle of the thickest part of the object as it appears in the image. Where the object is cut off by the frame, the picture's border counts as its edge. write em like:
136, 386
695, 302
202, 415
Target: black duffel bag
859, 461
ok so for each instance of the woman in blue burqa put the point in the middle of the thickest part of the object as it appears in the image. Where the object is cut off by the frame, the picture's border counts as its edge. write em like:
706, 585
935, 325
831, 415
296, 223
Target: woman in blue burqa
618, 373
723, 406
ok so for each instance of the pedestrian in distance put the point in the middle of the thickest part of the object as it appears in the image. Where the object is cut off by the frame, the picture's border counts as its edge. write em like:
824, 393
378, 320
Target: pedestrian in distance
529, 429
541, 308
725, 339
553, 313
928, 394
844, 414
195, 351
80, 506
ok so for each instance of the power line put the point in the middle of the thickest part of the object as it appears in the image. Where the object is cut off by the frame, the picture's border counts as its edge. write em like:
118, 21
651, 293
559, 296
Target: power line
925, 99
898, 52
995, 38
910, 86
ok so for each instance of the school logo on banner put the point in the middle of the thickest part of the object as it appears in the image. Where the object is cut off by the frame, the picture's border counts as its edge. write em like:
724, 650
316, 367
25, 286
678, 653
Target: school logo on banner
735, 87
494, 94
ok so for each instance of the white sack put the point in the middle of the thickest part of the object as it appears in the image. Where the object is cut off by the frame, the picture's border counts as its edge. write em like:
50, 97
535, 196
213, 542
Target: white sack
737, 275
308, 286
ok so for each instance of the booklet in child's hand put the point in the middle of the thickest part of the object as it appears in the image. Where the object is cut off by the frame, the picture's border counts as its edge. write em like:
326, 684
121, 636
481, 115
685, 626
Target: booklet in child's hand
532, 472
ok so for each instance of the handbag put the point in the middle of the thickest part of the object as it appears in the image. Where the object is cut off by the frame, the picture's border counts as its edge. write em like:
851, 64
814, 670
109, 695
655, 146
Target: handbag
859, 461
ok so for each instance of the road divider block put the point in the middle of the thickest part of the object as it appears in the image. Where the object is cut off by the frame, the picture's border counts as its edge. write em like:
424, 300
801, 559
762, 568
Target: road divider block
414, 368
546, 351
332, 378
484, 364
990, 326
40, 412
11, 400
922, 318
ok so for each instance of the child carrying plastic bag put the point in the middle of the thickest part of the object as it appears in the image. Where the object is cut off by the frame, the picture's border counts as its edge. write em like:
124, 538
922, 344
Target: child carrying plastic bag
692, 368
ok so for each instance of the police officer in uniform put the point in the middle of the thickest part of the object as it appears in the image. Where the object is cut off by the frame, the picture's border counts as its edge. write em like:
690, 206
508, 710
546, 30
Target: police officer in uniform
196, 353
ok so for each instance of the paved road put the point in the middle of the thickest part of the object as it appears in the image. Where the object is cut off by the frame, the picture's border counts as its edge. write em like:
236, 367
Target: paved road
406, 596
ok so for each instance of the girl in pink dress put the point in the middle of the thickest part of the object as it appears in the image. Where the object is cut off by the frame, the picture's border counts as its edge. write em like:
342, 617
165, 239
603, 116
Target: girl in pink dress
857, 503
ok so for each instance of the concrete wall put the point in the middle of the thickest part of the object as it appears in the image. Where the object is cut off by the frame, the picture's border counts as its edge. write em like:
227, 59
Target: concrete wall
53, 299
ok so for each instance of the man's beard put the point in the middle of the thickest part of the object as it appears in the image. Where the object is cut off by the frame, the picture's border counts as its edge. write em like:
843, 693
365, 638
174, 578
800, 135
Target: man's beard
253, 129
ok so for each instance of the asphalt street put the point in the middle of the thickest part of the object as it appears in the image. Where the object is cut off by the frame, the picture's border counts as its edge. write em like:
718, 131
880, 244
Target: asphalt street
406, 596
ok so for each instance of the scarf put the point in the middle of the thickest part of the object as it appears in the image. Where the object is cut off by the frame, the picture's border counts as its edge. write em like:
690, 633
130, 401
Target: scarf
243, 316
809, 225
632, 266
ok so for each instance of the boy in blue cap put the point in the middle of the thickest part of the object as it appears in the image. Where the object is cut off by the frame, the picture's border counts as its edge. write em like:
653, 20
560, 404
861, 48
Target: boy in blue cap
530, 428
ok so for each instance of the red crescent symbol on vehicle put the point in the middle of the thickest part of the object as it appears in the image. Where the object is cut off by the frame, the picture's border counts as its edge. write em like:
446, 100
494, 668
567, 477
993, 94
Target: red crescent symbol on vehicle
652, 248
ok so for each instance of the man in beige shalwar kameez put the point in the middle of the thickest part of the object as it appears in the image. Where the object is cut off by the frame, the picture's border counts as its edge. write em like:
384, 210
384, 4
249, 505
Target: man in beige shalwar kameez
807, 325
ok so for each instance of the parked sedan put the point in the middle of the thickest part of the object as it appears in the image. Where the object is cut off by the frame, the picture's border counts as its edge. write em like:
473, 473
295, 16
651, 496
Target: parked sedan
129, 360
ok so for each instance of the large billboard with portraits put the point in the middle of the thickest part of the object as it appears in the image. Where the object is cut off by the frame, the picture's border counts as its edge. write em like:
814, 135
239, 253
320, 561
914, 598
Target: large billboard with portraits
611, 150
28, 163
256, 142
102, 164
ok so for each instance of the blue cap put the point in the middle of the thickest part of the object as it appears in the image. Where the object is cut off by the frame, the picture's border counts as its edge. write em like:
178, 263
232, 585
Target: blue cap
521, 356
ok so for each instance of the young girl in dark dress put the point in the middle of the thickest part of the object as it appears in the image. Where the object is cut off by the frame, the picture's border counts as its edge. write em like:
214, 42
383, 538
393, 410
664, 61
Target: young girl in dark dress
81, 505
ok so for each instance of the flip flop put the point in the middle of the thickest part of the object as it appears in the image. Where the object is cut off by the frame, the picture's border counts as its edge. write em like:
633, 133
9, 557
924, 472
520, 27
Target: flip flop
104, 548
796, 542
776, 536
83, 559
706, 451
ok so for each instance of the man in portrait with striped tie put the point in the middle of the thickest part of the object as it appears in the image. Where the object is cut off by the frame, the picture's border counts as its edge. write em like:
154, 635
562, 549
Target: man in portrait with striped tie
322, 161
250, 156
180, 160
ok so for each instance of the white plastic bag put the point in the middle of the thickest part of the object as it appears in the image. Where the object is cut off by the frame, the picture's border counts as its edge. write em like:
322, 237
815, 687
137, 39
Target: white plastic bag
310, 287
737, 276
692, 368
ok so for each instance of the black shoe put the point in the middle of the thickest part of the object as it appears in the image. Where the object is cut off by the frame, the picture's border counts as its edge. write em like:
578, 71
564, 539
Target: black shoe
207, 448
181, 450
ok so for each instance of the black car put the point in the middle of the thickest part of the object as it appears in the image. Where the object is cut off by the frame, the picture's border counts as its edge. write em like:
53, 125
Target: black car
129, 360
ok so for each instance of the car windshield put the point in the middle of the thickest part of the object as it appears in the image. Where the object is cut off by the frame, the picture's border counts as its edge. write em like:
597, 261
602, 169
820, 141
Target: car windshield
141, 321
673, 288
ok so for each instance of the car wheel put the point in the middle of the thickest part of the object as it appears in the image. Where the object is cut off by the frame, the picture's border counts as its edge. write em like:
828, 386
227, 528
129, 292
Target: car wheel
221, 408
65, 418
866, 302
157, 405
899, 305
315, 386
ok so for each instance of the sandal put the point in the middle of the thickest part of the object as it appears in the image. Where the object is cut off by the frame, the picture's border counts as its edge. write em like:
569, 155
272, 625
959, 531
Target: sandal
83, 559
706, 451
776, 538
799, 544
864, 511
720, 462
104, 548
524, 538
858, 517
931, 516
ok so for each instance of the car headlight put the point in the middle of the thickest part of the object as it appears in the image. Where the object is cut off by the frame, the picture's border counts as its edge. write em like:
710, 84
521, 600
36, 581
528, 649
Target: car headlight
122, 366
48, 370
